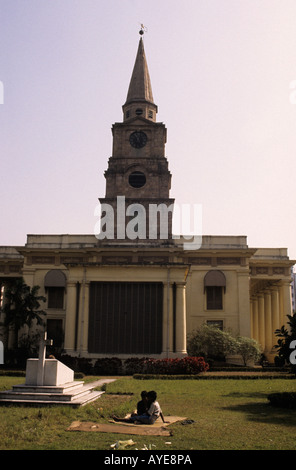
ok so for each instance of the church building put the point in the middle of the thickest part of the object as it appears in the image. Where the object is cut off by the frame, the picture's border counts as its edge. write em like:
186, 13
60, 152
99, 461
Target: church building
134, 288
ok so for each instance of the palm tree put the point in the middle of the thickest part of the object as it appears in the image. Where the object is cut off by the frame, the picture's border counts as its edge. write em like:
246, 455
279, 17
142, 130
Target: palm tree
22, 306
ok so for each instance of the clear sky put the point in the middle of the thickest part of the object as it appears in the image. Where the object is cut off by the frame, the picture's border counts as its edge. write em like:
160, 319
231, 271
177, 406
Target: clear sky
221, 72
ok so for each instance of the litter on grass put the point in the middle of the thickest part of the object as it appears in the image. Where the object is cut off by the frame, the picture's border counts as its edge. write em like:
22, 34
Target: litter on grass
120, 445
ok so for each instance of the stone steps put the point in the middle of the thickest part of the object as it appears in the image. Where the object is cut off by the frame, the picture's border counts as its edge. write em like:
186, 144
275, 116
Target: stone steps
64, 388
72, 393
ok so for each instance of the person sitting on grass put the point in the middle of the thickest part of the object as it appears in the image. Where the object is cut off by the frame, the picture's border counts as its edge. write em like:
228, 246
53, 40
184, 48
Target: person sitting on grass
142, 405
150, 416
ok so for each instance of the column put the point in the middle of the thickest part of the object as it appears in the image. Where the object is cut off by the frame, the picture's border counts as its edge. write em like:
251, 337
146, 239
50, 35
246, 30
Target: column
167, 319
281, 307
261, 322
83, 319
255, 319
252, 317
181, 346
70, 323
268, 325
286, 300
275, 309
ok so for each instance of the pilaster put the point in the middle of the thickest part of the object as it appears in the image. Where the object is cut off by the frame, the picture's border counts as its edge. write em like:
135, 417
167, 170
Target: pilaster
181, 347
244, 304
167, 325
70, 323
83, 318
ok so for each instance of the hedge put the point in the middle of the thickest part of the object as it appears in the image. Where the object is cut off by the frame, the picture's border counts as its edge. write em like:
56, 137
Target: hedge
209, 377
134, 365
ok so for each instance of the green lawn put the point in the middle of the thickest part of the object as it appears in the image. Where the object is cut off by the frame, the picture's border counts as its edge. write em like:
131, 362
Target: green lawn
227, 415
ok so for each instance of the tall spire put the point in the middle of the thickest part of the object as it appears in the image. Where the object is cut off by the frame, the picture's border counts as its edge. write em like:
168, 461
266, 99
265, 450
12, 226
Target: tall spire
140, 85
139, 99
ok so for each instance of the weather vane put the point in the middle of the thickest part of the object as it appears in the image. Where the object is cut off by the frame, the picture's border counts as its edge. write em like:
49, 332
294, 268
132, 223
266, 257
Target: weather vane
143, 29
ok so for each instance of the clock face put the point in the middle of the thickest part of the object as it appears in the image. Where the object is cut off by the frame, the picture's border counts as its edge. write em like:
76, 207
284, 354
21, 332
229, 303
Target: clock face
138, 139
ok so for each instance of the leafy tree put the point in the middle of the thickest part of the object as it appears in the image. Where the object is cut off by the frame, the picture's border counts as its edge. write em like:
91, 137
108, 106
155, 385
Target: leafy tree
286, 336
211, 342
22, 306
248, 348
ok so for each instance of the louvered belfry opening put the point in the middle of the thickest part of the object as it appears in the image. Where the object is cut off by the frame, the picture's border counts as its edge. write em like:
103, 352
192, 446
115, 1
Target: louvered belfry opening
125, 318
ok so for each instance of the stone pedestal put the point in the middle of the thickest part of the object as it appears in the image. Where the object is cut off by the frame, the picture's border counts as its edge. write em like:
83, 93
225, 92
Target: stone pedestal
58, 387
55, 372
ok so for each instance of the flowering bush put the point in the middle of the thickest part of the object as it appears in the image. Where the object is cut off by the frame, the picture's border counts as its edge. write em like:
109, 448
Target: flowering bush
186, 365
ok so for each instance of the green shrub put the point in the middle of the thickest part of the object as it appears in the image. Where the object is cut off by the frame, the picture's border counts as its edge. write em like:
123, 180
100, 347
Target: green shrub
211, 342
134, 365
108, 366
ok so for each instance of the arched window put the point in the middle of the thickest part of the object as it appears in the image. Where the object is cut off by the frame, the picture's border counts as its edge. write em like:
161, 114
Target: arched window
55, 284
215, 286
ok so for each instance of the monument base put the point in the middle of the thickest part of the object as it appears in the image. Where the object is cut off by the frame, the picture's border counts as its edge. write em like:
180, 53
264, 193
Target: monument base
73, 394
58, 386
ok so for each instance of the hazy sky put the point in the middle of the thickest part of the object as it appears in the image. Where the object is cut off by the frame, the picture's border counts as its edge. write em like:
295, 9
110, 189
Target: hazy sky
221, 73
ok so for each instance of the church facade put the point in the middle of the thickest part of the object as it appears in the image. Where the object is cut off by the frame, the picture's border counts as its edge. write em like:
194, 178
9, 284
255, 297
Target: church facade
133, 288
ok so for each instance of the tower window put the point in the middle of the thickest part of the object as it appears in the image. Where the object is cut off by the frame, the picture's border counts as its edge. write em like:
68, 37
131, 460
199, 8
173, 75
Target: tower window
150, 114
127, 114
137, 179
139, 111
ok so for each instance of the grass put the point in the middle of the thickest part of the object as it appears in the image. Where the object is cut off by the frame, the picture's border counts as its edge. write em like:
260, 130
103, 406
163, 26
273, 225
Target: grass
227, 415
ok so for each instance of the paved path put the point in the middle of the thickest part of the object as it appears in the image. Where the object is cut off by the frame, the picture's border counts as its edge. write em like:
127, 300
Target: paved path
99, 383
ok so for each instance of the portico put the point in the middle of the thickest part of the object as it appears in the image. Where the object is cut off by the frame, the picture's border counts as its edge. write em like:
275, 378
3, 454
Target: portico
270, 301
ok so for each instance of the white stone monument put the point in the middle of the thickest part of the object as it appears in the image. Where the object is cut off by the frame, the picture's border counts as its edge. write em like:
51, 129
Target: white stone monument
44, 371
49, 381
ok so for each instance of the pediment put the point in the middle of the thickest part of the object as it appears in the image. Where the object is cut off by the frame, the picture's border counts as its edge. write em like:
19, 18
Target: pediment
139, 120
136, 121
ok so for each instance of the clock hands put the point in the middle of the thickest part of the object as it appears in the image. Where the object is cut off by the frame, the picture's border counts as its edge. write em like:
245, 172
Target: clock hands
138, 139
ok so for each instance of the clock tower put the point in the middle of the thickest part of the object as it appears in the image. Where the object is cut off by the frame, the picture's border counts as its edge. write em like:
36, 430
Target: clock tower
138, 180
